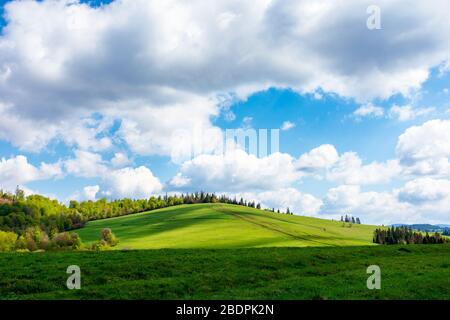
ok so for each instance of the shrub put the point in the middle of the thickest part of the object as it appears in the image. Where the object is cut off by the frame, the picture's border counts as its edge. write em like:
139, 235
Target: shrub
107, 240
7, 241
100, 246
44, 241
66, 240
109, 237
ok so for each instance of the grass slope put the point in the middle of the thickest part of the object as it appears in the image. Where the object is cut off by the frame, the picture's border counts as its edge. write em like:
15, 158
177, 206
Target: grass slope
224, 226
407, 272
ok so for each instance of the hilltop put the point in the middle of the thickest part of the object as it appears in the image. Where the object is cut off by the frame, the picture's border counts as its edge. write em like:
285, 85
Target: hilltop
225, 226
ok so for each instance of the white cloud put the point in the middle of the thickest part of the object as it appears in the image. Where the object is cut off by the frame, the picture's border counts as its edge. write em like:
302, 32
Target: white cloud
425, 149
88, 134
37, 135
321, 157
350, 170
116, 182
369, 110
18, 171
90, 192
142, 62
371, 207
406, 113
86, 164
171, 129
180, 181
237, 170
401, 113
53, 170
120, 159
83, 133
418, 201
317, 96
426, 190
131, 182
287, 125
298, 202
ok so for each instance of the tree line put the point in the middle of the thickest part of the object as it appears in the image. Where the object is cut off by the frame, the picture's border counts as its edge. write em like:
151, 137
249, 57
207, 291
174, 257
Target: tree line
17, 212
405, 235
37, 222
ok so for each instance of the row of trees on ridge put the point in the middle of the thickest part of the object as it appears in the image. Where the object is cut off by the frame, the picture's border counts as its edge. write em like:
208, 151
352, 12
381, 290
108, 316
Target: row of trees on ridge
405, 235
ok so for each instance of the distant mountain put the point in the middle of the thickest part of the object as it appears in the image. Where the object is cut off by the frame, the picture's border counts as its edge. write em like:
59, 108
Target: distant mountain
424, 227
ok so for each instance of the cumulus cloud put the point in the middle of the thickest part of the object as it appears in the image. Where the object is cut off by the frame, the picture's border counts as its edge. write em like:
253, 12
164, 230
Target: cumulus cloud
370, 206
176, 130
321, 157
348, 168
116, 180
18, 171
419, 200
368, 110
159, 71
131, 182
298, 202
90, 192
406, 113
142, 62
85, 164
236, 170
426, 190
425, 149
239, 171
120, 159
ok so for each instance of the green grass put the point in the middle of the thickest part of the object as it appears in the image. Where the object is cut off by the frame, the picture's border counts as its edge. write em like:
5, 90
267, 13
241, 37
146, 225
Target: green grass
212, 226
216, 251
407, 272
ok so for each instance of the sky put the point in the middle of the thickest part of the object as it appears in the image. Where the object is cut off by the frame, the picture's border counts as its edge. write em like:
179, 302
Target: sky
134, 98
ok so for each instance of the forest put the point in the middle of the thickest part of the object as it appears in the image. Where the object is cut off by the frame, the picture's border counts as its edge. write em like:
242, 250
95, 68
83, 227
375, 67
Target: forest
36, 222
406, 235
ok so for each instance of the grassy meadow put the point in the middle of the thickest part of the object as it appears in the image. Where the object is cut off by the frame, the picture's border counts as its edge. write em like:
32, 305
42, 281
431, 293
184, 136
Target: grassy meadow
215, 226
221, 251
407, 272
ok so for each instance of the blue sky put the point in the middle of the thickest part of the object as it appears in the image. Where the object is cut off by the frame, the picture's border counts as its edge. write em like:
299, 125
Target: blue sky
92, 94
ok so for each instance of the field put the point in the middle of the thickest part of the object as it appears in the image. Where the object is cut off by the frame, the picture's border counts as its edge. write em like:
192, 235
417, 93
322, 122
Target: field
407, 272
216, 226
216, 251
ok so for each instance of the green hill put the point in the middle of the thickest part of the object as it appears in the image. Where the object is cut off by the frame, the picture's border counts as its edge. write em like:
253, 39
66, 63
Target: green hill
225, 226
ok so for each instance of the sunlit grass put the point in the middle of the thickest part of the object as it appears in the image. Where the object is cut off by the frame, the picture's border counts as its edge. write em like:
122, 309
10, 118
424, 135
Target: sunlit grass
225, 226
